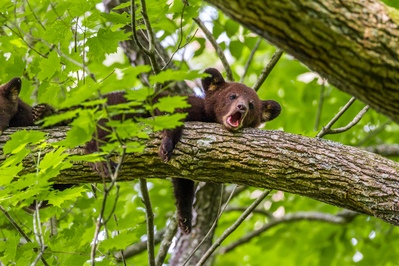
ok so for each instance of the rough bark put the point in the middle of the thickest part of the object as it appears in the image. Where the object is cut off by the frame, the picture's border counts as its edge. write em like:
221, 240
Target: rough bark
352, 43
327, 171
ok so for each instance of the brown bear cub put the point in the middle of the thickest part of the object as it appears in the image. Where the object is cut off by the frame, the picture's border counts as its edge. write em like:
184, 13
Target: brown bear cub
13, 111
231, 104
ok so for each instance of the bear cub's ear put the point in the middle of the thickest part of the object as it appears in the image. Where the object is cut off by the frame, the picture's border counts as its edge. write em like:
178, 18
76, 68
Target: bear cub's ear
11, 90
270, 110
214, 82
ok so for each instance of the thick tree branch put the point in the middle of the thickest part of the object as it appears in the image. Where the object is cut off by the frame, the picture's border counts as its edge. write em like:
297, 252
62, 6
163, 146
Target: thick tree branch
327, 171
352, 43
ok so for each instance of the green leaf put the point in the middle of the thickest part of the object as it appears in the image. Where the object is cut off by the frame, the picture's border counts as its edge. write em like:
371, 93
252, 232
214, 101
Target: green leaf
139, 95
120, 241
235, 48
8, 173
123, 5
165, 121
60, 197
56, 32
116, 18
22, 138
169, 104
87, 158
176, 75
106, 42
48, 66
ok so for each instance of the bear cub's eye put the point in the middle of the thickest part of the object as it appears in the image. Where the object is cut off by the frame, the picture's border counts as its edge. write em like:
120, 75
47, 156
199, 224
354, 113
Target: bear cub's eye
233, 97
251, 106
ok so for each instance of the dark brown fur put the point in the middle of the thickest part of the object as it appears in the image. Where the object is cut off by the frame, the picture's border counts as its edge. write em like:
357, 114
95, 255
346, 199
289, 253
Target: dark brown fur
13, 111
233, 105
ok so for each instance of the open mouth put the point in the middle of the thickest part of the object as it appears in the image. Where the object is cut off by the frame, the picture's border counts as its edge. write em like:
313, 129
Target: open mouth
235, 119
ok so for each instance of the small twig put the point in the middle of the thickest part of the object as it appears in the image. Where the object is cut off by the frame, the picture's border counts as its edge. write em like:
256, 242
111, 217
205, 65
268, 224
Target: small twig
22, 38
219, 51
266, 71
340, 113
352, 123
373, 133
35, 15
343, 217
134, 32
39, 256
251, 56
150, 221
316, 125
185, 2
327, 129
108, 257
213, 225
241, 209
67, 212
232, 228
14, 223
167, 240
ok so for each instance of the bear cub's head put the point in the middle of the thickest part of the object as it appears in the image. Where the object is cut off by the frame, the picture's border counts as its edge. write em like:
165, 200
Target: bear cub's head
235, 105
9, 102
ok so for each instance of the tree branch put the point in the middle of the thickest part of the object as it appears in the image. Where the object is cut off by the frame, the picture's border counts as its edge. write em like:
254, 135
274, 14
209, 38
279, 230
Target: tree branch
323, 34
268, 68
324, 170
219, 51
340, 218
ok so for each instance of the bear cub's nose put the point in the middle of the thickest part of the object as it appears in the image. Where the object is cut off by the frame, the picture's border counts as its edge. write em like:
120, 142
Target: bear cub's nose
242, 107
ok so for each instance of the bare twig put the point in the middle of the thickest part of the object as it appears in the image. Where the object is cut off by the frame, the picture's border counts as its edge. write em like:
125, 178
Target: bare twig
14, 223
266, 71
316, 125
327, 130
251, 56
232, 228
352, 123
167, 240
134, 32
232, 188
343, 217
340, 113
213, 225
373, 133
219, 51
150, 221
35, 15
241, 209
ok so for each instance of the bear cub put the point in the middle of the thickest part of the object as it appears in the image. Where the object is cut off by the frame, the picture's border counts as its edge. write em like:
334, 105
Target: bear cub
231, 104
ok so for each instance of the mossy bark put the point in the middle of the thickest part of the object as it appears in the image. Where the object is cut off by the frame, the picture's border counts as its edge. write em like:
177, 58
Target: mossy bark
352, 43
327, 171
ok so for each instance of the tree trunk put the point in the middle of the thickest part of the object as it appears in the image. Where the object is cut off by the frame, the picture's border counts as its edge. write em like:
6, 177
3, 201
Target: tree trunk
352, 43
324, 170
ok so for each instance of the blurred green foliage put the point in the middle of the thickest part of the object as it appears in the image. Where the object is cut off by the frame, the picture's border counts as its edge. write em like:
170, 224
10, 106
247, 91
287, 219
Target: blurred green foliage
80, 30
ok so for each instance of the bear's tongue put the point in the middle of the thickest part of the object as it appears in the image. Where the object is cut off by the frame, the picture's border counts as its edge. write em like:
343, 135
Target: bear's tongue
234, 119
